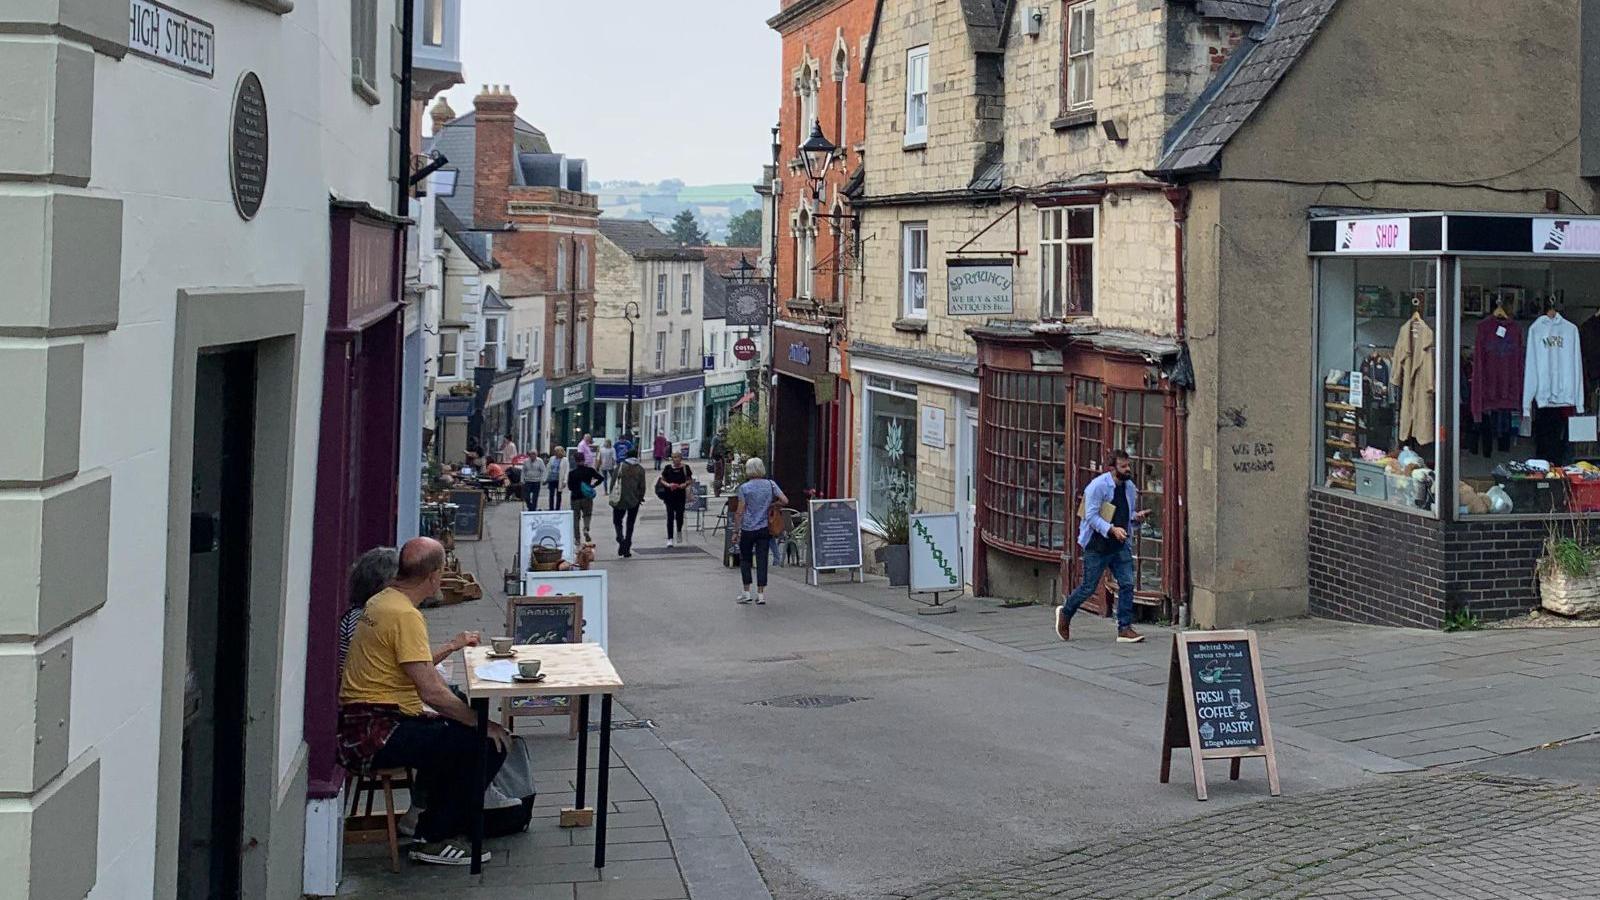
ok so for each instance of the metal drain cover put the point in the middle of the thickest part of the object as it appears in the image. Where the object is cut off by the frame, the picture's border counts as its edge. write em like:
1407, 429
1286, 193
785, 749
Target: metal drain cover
808, 701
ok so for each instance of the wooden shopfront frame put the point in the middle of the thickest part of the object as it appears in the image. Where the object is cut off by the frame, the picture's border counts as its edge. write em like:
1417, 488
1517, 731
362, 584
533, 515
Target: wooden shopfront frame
1092, 378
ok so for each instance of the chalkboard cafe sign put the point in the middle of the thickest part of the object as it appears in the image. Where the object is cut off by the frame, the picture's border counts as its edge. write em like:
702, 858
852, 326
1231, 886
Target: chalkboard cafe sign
1217, 704
835, 535
979, 287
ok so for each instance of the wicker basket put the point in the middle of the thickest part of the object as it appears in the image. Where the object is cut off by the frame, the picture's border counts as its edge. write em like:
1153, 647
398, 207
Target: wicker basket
546, 556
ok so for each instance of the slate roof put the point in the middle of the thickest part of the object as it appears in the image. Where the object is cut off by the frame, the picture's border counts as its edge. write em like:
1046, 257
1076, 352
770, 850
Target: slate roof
475, 245
1237, 10
642, 240
986, 27
458, 140
1196, 142
493, 301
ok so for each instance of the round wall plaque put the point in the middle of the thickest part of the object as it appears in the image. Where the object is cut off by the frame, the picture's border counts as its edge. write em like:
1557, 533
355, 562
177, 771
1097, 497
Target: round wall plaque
247, 146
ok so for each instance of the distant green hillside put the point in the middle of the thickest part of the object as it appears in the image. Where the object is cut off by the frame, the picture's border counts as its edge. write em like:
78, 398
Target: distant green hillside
716, 193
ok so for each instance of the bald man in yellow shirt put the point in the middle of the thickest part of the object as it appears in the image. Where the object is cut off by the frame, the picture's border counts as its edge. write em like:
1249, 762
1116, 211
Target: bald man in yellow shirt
389, 686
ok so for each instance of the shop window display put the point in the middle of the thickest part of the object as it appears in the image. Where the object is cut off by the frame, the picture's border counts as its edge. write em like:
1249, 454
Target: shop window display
1378, 323
1529, 370
1024, 461
1137, 420
891, 453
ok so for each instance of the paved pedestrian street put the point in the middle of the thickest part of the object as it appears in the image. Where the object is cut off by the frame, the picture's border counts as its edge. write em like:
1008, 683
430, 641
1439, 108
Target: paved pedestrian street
1455, 835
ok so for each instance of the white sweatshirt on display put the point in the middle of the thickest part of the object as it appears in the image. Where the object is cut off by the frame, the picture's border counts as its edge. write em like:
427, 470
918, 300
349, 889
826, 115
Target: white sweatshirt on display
1554, 371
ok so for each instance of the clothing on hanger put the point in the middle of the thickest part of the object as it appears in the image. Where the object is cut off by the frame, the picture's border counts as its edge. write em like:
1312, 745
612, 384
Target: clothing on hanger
1498, 360
1413, 375
1553, 374
1589, 337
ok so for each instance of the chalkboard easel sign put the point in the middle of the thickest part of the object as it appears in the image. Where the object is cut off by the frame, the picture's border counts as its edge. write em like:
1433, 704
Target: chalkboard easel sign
469, 513
1217, 705
835, 534
544, 620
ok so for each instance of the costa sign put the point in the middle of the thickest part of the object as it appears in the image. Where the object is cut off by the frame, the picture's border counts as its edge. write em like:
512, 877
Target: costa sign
744, 349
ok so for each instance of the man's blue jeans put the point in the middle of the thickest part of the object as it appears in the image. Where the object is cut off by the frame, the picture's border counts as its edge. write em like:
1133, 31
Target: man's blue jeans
1094, 566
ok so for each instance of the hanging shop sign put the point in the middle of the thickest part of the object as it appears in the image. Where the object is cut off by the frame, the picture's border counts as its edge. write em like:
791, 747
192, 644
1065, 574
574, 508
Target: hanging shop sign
744, 349
979, 287
1217, 705
247, 146
826, 389
747, 305
172, 38
1374, 235
575, 394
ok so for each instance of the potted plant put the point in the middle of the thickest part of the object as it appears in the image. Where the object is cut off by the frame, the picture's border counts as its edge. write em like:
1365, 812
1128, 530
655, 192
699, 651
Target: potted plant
895, 527
1569, 572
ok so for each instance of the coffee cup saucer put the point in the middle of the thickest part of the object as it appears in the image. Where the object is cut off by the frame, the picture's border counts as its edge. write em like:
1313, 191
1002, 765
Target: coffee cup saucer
527, 680
509, 654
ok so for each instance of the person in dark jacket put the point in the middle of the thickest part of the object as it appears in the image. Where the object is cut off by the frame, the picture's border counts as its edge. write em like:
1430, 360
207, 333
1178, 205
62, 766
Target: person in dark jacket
673, 482
581, 483
626, 500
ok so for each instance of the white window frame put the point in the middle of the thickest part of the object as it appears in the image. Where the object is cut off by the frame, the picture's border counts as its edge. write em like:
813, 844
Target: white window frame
433, 23
909, 271
661, 294
1079, 57
580, 346
805, 255
561, 266
583, 267
916, 130
494, 347
449, 354
561, 348
1055, 259
841, 68
661, 351
536, 346
808, 102
364, 49
683, 348
688, 292
889, 387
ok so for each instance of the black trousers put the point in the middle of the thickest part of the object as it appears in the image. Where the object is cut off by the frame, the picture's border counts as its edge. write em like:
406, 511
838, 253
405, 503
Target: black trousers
1550, 435
441, 751
675, 503
555, 494
759, 544
623, 518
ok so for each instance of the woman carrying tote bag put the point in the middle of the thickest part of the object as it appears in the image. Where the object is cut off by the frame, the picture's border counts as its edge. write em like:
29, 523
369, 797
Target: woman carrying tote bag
758, 505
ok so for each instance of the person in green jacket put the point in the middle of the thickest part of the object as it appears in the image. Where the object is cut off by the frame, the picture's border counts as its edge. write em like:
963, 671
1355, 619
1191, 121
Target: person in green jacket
626, 500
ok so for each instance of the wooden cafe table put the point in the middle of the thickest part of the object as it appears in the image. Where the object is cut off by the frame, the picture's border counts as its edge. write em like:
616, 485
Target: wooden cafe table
570, 670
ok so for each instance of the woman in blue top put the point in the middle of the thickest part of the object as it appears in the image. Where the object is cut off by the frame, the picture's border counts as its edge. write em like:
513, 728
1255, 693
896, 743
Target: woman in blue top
751, 503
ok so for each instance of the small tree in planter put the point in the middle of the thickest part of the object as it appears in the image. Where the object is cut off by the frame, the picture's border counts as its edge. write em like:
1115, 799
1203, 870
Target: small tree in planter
895, 524
1569, 572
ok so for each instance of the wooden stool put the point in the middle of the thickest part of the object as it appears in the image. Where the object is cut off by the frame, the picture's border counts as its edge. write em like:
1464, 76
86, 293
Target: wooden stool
362, 829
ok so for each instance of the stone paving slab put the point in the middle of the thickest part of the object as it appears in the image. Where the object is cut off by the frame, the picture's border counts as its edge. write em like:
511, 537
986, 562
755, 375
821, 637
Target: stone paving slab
1430, 835
1421, 697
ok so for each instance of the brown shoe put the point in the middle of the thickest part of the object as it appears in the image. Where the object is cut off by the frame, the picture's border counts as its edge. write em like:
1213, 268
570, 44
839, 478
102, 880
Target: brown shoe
1063, 624
1129, 636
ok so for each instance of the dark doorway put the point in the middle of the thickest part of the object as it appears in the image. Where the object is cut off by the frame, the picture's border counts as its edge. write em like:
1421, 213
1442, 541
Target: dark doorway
794, 458
211, 822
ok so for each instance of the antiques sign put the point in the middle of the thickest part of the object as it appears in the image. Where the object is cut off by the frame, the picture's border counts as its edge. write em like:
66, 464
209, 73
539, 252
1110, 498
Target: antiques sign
247, 146
979, 287
172, 38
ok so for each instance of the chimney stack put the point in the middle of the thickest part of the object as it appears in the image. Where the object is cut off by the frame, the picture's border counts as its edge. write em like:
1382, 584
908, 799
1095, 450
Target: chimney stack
494, 131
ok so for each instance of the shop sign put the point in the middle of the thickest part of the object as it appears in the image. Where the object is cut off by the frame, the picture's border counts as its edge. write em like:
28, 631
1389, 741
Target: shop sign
979, 287
1566, 236
724, 393
575, 394
171, 37
371, 265
802, 353
936, 553
500, 393
744, 349
247, 146
680, 386
1373, 236
1046, 360
453, 407
826, 389
747, 305
933, 427
530, 394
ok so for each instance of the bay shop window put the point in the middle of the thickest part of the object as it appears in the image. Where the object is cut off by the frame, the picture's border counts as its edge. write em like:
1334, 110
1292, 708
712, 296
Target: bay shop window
1046, 434
1458, 363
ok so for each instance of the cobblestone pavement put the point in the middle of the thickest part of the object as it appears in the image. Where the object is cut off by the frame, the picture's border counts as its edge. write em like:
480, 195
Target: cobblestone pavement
1441, 834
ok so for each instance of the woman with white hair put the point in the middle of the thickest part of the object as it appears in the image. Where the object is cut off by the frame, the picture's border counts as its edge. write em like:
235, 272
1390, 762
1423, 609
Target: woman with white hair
751, 503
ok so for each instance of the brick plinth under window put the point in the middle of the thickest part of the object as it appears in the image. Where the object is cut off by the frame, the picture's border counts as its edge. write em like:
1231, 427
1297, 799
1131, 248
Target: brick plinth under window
1370, 563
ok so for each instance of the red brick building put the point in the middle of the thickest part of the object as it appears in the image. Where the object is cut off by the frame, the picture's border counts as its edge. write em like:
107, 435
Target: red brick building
824, 42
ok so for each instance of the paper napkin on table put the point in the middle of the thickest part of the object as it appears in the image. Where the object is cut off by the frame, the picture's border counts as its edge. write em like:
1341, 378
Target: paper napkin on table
504, 670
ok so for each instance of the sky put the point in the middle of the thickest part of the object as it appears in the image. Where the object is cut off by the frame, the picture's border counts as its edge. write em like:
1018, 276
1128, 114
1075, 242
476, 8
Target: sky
645, 90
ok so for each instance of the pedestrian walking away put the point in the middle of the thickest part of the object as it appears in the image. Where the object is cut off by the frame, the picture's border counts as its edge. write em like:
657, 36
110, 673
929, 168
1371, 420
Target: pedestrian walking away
660, 449
608, 464
672, 486
1110, 510
626, 500
751, 502
534, 480
555, 475
581, 483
